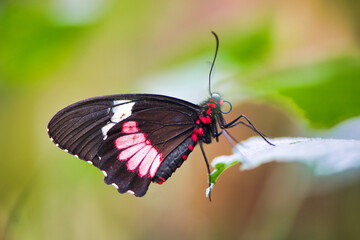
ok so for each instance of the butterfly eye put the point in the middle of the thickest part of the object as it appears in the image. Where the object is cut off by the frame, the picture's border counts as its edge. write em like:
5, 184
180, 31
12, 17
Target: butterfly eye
216, 97
229, 107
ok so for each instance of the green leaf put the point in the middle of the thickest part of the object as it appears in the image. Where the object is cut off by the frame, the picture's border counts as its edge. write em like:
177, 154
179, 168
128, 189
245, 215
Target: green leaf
324, 157
325, 93
220, 167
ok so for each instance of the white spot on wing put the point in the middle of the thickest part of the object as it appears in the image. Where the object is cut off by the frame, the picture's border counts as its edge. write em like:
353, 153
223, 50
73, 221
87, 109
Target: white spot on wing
51, 139
90, 162
116, 186
122, 111
131, 192
76, 155
105, 174
57, 144
106, 128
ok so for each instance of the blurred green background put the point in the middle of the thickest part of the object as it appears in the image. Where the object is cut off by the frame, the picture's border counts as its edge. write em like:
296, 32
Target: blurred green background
292, 67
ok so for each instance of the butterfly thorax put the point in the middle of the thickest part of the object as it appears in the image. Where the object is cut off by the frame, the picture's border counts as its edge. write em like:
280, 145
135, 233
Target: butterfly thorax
211, 113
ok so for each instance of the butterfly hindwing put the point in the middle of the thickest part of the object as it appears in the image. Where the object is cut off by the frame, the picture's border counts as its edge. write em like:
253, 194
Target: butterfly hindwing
135, 148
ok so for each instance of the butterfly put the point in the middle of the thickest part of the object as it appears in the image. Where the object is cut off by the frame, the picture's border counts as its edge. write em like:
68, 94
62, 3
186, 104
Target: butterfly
136, 139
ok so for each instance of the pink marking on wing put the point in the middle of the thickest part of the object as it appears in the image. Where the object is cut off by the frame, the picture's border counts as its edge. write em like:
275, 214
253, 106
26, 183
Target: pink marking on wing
156, 164
146, 163
128, 153
191, 147
130, 127
129, 140
135, 160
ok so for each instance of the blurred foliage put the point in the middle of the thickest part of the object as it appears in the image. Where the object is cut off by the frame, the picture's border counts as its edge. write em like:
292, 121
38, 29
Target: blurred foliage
31, 45
325, 92
239, 51
249, 47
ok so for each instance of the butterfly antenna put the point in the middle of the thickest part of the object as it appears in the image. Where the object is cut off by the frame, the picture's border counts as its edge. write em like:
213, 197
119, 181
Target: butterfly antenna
213, 62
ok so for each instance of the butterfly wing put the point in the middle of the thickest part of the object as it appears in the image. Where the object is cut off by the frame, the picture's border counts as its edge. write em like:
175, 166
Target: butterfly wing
135, 148
103, 127
77, 129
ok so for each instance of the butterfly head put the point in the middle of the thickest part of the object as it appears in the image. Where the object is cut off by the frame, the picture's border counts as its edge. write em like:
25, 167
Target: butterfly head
219, 103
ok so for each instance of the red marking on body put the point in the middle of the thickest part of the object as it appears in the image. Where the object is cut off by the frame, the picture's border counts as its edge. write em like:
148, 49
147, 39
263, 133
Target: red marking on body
129, 140
199, 131
194, 137
135, 160
208, 112
128, 153
155, 165
197, 121
205, 120
184, 157
212, 105
146, 163
161, 180
191, 148
130, 127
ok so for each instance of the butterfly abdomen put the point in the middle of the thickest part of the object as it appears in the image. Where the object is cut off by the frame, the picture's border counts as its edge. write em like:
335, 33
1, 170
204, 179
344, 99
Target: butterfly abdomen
174, 160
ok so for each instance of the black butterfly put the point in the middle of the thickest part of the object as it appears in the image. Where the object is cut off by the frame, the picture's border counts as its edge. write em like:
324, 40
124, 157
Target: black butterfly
135, 139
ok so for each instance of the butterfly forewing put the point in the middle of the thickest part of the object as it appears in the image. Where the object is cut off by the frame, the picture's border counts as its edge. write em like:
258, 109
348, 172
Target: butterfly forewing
77, 128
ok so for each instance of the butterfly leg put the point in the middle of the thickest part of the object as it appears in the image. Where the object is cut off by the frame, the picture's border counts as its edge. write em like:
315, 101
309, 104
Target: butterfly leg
237, 121
207, 166
228, 136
